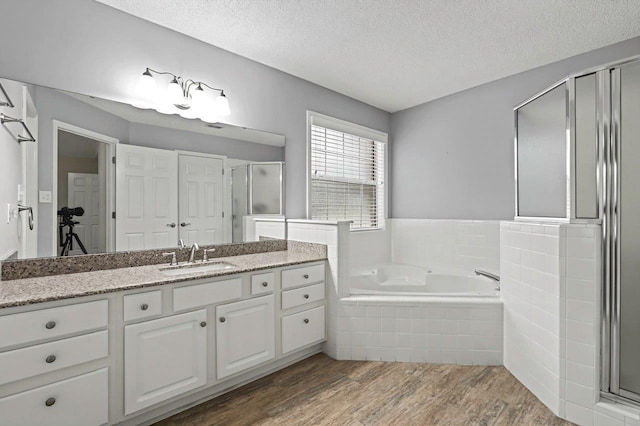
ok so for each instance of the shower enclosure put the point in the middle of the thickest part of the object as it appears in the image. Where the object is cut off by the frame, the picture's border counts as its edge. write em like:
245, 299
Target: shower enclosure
577, 160
257, 189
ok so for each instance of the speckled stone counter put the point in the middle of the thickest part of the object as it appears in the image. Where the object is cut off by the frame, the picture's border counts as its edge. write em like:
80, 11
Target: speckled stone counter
57, 287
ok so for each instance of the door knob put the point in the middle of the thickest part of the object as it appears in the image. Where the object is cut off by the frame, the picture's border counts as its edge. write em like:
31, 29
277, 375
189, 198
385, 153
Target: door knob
171, 225
222, 319
183, 224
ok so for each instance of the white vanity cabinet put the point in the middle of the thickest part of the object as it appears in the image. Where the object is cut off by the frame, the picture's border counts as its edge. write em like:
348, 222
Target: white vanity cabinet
63, 351
132, 357
164, 358
245, 334
303, 321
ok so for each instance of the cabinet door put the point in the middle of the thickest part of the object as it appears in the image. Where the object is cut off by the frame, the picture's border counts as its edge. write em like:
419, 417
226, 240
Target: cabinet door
245, 334
164, 358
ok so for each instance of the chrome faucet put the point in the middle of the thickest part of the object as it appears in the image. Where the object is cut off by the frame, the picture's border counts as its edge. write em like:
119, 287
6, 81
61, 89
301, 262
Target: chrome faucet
192, 254
181, 243
491, 276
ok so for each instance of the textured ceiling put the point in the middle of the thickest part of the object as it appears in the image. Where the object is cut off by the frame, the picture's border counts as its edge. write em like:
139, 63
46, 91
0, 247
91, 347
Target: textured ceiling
395, 54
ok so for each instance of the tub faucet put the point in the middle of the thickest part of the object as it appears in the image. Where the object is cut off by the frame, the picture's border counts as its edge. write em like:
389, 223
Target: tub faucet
491, 276
192, 254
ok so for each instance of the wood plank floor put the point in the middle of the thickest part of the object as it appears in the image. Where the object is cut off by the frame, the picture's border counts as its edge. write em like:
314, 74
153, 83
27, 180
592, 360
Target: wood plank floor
322, 391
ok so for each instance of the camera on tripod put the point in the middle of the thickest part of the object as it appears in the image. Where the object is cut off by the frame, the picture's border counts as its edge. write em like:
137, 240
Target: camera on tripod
66, 215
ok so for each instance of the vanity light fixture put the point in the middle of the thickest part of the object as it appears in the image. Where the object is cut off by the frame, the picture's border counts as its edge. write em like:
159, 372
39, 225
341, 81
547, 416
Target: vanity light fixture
184, 97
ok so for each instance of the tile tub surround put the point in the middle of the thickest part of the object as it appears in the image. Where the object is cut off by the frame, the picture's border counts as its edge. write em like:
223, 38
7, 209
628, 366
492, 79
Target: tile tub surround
407, 329
42, 267
56, 287
446, 244
551, 289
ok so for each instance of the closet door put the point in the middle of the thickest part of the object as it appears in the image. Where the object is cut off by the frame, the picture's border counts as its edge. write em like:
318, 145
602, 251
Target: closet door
146, 198
201, 199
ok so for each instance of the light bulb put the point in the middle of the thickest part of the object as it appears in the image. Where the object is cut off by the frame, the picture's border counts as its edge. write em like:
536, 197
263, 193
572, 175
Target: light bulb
146, 85
174, 91
199, 100
221, 106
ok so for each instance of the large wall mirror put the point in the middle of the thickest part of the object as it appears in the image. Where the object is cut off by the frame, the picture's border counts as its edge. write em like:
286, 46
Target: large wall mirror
104, 176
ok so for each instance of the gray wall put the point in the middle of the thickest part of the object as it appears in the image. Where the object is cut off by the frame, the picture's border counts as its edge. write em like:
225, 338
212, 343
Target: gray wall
453, 157
86, 47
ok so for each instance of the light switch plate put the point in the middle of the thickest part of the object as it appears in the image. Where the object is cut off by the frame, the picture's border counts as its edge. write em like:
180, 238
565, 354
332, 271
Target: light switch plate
44, 196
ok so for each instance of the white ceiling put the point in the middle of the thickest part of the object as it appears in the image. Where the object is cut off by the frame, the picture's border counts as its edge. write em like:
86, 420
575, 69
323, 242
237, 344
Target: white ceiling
395, 54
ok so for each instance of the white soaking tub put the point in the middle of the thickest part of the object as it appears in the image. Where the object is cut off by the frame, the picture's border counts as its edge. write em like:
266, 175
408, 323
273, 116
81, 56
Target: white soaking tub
407, 280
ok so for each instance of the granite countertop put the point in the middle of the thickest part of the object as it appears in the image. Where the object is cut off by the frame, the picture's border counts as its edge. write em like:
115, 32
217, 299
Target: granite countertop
27, 291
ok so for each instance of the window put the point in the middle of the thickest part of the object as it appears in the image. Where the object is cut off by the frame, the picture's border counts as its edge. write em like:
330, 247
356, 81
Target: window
346, 172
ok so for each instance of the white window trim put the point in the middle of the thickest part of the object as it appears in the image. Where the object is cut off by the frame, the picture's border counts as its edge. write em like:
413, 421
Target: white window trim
354, 129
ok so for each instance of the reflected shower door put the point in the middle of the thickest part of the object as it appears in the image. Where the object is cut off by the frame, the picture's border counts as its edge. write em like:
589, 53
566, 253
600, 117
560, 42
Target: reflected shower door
629, 232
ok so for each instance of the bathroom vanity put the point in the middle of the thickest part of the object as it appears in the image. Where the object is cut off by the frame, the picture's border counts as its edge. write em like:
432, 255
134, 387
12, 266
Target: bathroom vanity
133, 345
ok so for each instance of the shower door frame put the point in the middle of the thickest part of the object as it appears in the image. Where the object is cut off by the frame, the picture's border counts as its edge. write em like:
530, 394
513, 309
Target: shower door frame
611, 314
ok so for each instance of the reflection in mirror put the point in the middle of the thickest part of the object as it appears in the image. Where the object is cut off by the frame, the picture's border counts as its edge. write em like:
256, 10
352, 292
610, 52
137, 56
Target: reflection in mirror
104, 176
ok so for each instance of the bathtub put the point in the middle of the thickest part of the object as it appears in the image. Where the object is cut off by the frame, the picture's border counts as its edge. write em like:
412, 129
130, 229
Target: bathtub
407, 280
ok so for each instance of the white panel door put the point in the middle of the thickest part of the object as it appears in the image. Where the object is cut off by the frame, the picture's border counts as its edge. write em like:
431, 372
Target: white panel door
164, 358
146, 198
201, 200
84, 191
245, 334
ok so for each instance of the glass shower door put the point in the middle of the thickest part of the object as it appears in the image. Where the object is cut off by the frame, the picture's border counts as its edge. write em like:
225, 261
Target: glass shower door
627, 78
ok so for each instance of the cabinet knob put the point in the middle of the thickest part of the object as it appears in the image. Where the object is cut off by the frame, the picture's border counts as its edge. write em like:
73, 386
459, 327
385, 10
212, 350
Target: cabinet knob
222, 319
49, 402
50, 359
203, 324
306, 276
144, 306
306, 320
50, 325
306, 296
265, 284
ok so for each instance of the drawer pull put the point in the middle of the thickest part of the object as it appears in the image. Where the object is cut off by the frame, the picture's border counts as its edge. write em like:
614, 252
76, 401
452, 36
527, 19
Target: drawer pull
306, 320
306, 276
306, 296
49, 402
222, 319
50, 325
203, 324
265, 284
144, 306
50, 359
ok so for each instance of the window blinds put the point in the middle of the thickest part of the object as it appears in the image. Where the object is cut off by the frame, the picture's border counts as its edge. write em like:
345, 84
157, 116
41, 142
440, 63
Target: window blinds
347, 178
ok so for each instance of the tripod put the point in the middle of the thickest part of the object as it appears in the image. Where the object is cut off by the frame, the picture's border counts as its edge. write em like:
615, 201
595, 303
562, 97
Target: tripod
68, 242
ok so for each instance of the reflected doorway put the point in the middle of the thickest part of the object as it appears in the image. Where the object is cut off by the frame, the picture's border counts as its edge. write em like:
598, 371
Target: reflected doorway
83, 192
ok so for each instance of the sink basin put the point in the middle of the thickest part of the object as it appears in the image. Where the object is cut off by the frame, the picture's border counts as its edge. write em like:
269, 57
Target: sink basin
196, 267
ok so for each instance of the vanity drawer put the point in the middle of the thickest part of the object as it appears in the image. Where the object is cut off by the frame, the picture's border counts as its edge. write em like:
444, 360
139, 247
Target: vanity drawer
303, 275
302, 329
39, 359
194, 296
32, 326
142, 305
79, 401
302, 295
263, 283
